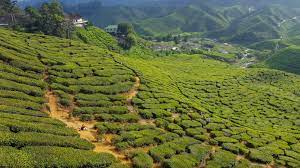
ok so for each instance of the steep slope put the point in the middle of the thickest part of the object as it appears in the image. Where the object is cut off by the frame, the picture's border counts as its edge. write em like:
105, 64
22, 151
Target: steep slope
30, 65
287, 59
209, 103
96, 36
261, 25
188, 19
176, 111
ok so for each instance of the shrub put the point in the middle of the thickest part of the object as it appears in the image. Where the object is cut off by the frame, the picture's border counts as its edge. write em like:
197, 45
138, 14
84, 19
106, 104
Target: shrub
86, 117
165, 137
226, 140
243, 163
203, 137
296, 147
199, 151
172, 127
236, 148
20, 126
68, 157
190, 124
260, 156
161, 152
11, 157
122, 145
195, 131
222, 159
141, 160
180, 161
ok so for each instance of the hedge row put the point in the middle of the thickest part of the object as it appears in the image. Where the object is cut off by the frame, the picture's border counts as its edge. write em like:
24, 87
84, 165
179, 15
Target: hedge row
22, 111
13, 86
32, 119
21, 126
116, 128
20, 103
10, 69
23, 80
40, 139
20, 96
44, 156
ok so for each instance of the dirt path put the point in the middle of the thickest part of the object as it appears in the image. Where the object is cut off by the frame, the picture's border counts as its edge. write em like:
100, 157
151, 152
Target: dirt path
63, 114
90, 134
131, 94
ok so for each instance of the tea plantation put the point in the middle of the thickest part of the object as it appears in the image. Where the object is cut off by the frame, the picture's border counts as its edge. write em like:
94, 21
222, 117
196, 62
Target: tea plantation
180, 111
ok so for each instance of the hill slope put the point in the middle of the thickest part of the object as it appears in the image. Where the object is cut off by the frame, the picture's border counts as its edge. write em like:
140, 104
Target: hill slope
96, 36
176, 111
31, 66
287, 59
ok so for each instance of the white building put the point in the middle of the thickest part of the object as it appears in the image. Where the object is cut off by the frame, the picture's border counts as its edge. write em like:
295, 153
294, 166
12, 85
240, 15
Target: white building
79, 22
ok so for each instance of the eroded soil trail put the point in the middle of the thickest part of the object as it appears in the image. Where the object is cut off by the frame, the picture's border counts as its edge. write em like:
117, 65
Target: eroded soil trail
131, 94
90, 134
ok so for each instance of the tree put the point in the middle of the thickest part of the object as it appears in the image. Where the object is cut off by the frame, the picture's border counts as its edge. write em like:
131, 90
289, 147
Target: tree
33, 21
52, 19
48, 19
9, 7
176, 39
125, 28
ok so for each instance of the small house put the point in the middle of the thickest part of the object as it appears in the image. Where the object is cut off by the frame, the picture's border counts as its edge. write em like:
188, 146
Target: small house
112, 29
78, 21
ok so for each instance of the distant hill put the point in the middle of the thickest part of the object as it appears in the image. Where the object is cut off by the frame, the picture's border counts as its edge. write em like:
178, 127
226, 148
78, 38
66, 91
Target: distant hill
237, 21
266, 23
287, 59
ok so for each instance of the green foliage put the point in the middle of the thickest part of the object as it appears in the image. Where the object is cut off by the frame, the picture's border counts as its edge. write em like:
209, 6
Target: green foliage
260, 156
222, 159
141, 160
179, 161
49, 19
12, 157
199, 151
95, 36
68, 157
286, 59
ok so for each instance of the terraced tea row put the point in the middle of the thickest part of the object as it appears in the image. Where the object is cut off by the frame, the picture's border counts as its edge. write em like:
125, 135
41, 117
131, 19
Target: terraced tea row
29, 138
254, 114
172, 112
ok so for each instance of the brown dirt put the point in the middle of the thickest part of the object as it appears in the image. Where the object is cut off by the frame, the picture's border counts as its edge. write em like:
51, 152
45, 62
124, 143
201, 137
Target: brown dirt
64, 115
208, 156
131, 94
146, 122
90, 134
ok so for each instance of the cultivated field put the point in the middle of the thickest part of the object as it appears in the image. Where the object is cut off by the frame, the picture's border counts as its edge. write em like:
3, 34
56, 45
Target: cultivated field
173, 112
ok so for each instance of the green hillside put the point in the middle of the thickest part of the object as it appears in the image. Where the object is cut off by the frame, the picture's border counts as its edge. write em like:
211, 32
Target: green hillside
31, 66
256, 27
287, 59
188, 19
140, 110
96, 36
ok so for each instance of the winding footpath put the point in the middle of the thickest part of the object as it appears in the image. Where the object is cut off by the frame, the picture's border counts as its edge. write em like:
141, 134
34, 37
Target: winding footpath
90, 134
